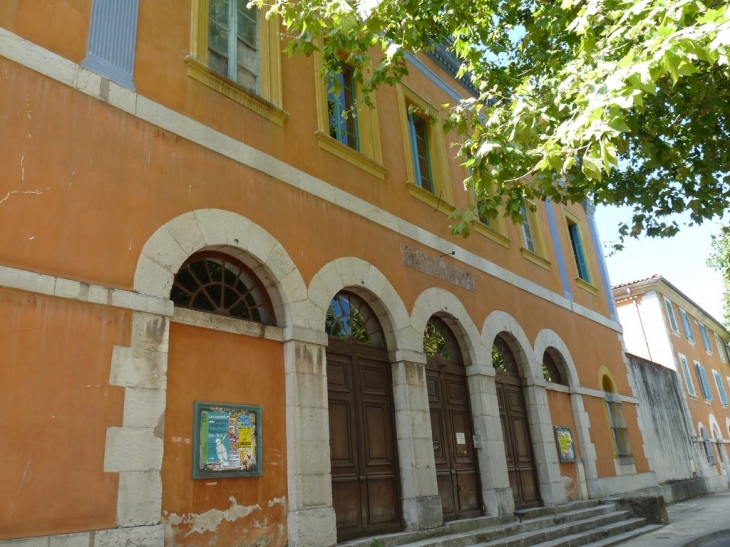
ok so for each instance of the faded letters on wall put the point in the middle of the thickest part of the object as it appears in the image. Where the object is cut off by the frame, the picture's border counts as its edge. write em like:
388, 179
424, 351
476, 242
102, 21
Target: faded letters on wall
227, 441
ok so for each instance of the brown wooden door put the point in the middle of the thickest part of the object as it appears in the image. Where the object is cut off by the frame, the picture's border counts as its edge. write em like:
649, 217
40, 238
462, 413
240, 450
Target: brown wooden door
365, 484
453, 444
517, 443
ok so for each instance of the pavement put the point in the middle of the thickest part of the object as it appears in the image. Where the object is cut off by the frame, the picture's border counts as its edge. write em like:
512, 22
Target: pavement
694, 522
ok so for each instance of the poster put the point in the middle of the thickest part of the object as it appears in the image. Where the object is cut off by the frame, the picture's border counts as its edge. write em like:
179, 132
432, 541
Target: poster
565, 445
227, 440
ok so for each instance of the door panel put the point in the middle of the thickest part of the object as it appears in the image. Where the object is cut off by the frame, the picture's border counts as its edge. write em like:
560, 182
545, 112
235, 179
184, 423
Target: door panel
517, 443
456, 469
365, 485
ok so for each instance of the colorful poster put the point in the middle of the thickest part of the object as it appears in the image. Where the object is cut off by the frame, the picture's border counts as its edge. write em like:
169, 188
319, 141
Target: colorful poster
218, 443
566, 448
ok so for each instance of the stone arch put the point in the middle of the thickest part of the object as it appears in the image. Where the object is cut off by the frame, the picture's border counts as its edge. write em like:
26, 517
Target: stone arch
437, 301
547, 338
714, 429
501, 322
230, 233
369, 283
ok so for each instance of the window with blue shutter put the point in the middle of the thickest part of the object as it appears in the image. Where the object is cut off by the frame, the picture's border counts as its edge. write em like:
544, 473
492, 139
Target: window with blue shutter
687, 376
341, 108
720, 387
527, 230
686, 325
705, 338
419, 150
670, 314
704, 382
578, 252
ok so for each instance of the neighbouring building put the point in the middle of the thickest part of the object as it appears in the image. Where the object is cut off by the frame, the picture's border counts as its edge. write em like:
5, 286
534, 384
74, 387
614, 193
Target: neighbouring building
230, 314
661, 324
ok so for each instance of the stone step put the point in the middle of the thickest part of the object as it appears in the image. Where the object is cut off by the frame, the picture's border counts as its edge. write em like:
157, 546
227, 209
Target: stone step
554, 509
626, 536
559, 531
609, 533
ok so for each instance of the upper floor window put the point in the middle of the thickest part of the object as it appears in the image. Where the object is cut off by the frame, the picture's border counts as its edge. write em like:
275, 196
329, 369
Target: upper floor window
705, 338
704, 382
720, 347
341, 103
687, 376
417, 129
720, 387
233, 41
686, 325
576, 243
670, 314
216, 283
527, 238
236, 51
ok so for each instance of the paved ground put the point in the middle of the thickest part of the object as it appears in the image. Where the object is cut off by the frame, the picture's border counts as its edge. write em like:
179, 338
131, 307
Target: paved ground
690, 520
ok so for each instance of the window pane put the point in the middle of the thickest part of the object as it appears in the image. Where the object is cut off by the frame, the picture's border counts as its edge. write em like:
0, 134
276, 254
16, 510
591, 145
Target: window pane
246, 24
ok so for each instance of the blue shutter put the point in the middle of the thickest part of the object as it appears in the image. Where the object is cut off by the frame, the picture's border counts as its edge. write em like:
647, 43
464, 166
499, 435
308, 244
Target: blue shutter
687, 377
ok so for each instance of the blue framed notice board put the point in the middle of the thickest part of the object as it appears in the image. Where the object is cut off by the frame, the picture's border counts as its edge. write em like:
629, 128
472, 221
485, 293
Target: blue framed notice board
226, 440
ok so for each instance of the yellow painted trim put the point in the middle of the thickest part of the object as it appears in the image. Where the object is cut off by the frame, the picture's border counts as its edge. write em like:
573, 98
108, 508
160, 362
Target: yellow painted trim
268, 101
583, 284
571, 218
605, 371
491, 233
427, 197
367, 123
342, 151
436, 145
536, 259
206, 75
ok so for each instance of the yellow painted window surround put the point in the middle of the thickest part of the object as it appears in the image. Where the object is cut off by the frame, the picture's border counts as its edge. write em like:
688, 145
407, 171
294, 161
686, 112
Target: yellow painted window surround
442, 196
267, 101
572, 220
369, 158
534, 248
494, 230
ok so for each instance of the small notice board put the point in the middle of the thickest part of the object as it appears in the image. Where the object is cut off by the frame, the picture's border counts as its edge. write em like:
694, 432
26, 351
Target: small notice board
226, 440
564, 442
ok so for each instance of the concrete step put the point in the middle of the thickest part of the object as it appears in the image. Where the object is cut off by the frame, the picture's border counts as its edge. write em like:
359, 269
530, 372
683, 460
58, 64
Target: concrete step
620, 539
602, 533
540, 536
526, 514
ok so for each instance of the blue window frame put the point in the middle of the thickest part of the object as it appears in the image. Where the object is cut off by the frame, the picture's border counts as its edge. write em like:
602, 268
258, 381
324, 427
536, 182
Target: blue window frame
419, 150
341, 102
578, 252
704, 382
705, 338
686, 325
720, 387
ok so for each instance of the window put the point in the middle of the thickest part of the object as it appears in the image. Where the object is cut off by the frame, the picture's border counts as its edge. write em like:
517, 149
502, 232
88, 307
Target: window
439, 340
550, 368
216, 283
419, 151
720, 387
687, 376
686, 325
720, 348
346, 127
527, 239
236, 51
349, 317
502, 357
705, 337
341, 104
709, 453
617, 422
577, 244
670, 314
704, 382
427, 169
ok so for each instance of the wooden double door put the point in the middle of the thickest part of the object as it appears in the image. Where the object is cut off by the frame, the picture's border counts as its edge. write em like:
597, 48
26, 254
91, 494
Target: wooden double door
457, 472
517, 443
365, 481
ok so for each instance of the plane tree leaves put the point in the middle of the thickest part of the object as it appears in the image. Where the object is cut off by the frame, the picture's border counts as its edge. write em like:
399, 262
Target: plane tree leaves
618, 101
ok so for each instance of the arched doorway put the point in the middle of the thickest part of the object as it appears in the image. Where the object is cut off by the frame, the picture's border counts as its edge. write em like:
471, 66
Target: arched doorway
457, 473
365, 482
515, 426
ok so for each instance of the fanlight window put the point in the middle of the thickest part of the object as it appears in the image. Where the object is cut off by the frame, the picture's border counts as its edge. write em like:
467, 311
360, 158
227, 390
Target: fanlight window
438, 339
216, 283
350, 317
502, 357
550, 369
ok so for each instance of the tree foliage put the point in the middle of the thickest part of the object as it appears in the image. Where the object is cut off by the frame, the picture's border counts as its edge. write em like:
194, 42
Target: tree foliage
720, 260
620, 101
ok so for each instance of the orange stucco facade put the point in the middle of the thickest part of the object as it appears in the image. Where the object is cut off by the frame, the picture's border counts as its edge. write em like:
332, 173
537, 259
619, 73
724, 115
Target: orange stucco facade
93, 181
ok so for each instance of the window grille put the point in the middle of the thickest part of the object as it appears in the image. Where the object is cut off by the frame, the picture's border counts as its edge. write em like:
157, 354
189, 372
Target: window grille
619, 430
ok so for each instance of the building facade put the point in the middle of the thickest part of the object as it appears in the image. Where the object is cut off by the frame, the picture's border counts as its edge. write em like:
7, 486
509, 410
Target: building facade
663, 325
230, 313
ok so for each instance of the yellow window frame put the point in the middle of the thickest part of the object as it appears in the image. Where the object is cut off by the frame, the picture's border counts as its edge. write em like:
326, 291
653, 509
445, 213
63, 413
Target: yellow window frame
443, 195
268, 102
540, 255
370, 156
571, 218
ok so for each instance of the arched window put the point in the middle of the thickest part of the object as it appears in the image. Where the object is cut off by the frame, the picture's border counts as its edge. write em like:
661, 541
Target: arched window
217, 283
550, 369
709, 454
350, 317
439, 340
617, 422
502, 357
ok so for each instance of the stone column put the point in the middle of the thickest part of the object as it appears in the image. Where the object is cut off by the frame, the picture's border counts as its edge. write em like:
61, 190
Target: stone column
496, 491
421, 500
311, 520
552, 489
583, 436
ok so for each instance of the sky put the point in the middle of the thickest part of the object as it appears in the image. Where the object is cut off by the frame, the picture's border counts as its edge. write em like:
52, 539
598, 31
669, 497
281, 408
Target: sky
681, 260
